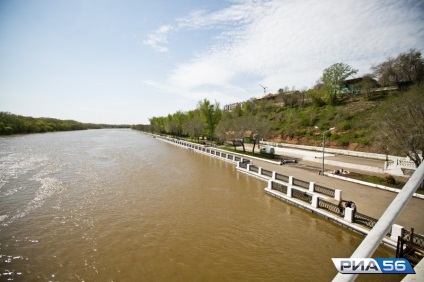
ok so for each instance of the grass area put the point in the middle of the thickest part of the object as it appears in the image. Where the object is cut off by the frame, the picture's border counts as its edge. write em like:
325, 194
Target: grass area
379, 180
375, 179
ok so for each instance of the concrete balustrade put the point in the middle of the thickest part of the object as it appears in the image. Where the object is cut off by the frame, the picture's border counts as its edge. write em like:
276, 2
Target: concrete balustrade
311, 186
396, 232
338, 195
291, 180
315, 200
347, 220
289, 191
337, 192
348, 215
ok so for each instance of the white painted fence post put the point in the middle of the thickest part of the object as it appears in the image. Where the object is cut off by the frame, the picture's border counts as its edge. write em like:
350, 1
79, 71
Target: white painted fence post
290, 180
311, 186
248, 167
274, 175
338, 195
348, 215
289, 191
259, 171
396, 231
269, 185
315, 199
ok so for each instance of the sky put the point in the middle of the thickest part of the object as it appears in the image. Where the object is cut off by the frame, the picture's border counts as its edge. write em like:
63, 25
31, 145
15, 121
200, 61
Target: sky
123, 62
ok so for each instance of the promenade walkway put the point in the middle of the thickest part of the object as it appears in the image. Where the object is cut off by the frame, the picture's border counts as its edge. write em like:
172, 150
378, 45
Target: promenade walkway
370, 201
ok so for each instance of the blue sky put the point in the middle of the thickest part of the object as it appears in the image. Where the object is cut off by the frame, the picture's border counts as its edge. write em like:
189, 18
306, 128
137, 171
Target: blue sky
125, 61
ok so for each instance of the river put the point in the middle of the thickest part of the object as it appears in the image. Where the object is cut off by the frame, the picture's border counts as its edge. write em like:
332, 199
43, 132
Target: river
119, 205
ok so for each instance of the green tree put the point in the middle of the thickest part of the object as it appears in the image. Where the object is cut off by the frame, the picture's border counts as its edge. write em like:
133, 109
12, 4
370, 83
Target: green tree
333, 78
15, 124
194, 125
158, 124
179, 118
249, 107
317, 95
171, 125
211, 114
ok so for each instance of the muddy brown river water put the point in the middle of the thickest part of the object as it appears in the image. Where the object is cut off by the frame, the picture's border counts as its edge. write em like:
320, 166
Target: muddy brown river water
118, 205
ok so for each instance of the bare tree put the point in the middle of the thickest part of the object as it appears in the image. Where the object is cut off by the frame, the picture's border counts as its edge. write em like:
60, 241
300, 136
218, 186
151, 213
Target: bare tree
258, 128
225, 130
194, 127
400, 124
368, 83
406, 68
289, 98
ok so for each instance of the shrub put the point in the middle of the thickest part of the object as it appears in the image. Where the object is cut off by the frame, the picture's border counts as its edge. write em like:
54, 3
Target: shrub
389, 179
335, 136
345, 125
364, 141
344, 143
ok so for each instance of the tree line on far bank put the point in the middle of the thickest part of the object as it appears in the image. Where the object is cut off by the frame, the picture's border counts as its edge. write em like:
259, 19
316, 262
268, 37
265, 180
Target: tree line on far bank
16, 124
377, 121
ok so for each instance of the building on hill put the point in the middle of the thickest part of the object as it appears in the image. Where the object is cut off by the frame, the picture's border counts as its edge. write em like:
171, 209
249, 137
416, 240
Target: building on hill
352, 86
267, 97
364, 85
231, 107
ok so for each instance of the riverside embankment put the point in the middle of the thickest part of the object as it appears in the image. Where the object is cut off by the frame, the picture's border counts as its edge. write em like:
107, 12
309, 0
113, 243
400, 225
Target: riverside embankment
369, 201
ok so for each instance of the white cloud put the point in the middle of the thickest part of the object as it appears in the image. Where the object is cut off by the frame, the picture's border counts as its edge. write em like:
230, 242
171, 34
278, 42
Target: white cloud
158, 38
289, 43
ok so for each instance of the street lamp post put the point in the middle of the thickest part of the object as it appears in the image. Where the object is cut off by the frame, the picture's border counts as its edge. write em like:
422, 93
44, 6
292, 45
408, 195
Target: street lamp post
323, 146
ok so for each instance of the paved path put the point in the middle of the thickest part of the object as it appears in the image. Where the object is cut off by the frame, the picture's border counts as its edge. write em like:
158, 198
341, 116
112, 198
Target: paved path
299, 153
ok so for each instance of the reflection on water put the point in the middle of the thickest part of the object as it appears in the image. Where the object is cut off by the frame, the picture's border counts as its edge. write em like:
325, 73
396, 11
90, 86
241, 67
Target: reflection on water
120, 205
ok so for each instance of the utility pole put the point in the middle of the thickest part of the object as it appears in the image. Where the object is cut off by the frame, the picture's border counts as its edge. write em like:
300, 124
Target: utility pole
323, 146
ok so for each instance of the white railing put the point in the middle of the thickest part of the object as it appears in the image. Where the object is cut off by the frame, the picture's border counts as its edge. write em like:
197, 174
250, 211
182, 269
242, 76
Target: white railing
376, 235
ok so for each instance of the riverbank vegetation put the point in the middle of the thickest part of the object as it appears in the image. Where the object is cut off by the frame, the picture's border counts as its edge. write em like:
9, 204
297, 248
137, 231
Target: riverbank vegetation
16, 124
382, 111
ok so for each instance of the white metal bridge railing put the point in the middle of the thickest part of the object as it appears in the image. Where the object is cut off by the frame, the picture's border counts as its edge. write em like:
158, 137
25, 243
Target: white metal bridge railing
376, 235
